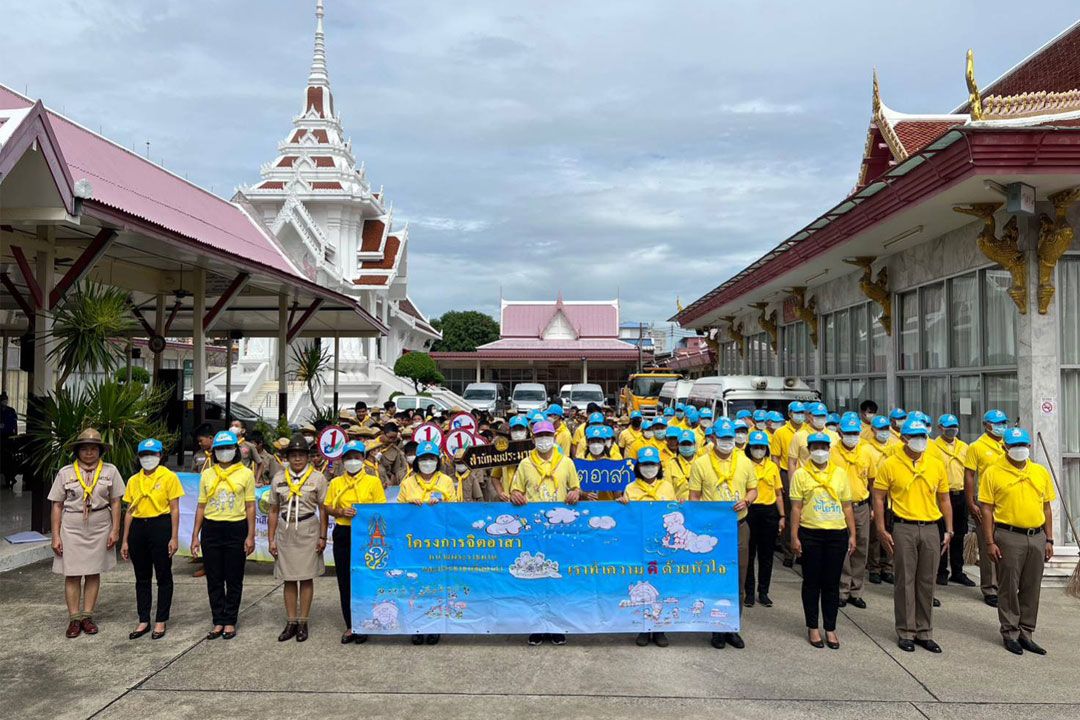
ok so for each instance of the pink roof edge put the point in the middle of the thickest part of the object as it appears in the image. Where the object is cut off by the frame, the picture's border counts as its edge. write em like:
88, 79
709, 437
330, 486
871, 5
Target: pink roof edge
598, 319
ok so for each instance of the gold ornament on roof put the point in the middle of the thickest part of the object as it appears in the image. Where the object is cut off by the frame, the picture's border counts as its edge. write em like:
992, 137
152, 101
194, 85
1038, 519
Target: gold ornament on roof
1004, 250
1055, 237
806, 311
876, 290
736, 333
768, 323
974, 98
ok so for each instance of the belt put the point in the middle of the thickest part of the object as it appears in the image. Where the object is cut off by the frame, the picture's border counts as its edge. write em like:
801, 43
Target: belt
284, 517
152, 517
956, 492
1022, 531
897, 518
861, 502
106, 507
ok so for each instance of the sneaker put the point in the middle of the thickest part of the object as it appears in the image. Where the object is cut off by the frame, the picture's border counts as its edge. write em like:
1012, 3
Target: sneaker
642, 639
660, 639
718, 641
764, 600
991, 600
963, 579
536, 639
874, 578
557, 639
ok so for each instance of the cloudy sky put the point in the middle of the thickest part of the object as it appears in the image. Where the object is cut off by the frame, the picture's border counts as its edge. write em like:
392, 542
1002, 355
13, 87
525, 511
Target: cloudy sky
640, 148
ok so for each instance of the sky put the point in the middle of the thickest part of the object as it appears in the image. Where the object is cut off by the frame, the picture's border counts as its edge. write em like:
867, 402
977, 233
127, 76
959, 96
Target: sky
639, 149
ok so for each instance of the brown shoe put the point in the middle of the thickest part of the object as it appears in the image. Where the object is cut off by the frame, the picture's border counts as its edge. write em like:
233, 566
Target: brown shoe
74, 629
88, 626
199, 572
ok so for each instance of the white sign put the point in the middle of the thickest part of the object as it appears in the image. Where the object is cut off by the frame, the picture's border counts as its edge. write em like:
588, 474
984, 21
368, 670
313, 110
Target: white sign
332, 441
428, 432
458, 440
463, 421
1048, 406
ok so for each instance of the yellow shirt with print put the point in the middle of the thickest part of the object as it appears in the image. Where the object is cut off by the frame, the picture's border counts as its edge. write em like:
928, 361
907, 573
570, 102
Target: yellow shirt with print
822, 492
640, 490
149, 495
913, 485
677, 472
348, 490
414, 488
722, 480
983, 453
768, 481
541, 481
780, 443
1017, 494
799, 448
953, 458
225, 492
860, 466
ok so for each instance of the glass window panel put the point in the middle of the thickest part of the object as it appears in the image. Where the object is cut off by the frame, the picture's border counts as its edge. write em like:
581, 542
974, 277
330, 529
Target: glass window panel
1068, 296
808, 350
842, 396
910, 395
967, 404
828, 343
909, 330
1070, 417
877, 390
964, 320
858, 394
860, 360
999, 320
1072, 492
935, 396
935, 330
828, 392
800, 345
1003, 393
843, 341
877, 340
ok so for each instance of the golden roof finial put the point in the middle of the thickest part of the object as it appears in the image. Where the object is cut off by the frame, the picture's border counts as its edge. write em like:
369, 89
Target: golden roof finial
678, 303
974, 98
877, 94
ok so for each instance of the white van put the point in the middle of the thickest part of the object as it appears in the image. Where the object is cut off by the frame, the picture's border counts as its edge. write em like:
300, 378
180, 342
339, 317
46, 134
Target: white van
528, 397
485, 396
674, 392
581, 394
564, 395
726, 395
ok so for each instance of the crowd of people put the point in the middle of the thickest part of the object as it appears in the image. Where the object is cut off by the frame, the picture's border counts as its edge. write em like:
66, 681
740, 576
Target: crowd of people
854, 498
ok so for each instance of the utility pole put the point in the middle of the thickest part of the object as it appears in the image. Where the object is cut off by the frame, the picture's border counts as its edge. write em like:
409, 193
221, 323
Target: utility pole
640, 340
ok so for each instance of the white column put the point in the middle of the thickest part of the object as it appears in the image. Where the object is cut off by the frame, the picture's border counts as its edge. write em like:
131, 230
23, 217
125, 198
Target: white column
46, 278
584, 370
282, 355
337, 365
198, 341
478, 371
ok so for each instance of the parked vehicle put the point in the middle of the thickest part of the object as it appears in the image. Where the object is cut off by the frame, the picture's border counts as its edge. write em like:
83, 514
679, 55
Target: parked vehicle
728, 394
674, 392
528, 397
581, 394
642, 391
486, 396
564, 395
419, 402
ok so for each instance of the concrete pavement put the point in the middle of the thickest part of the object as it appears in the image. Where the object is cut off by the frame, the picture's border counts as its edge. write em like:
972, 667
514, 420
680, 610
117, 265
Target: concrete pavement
777, 676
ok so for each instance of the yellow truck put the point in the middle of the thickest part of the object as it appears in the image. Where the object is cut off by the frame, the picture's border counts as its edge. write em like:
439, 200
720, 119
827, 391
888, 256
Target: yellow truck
642, 391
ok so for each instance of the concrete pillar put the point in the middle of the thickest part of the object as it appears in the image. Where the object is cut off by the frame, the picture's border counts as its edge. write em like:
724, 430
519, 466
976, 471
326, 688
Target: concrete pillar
477, 371
584, 370
283, 355
198, 341
3, 368
159, 328
228, 379
43, 375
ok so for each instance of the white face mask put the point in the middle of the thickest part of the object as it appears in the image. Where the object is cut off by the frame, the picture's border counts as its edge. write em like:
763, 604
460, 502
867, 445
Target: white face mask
917, 444
820, 457
741, 438
409, 459
725, 446
817, 422
544, 443
647, 434
705, 423
237, 431
649, 471
757, 452
460, 468
225, 454
353, 466
517, 434
428, 466
882, 435
998, 430
309, 438
850, 441
149, 462
798, 418
1019, 454
596, 448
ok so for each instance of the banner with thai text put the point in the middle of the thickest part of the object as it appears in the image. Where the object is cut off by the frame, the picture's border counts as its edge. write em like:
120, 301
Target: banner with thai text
604, 475
595, 567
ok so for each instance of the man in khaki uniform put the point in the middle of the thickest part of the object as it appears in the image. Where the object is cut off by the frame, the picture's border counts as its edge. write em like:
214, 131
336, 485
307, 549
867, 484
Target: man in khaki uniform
392, 467
1015, 494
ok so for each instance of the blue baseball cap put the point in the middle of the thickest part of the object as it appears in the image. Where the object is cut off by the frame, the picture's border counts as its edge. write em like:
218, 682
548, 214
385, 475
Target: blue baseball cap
689, 436
724, 429
758, 438
648, 455
948, 420
692, 415
673, 431
741, 425
760, 415
743, 414
596, 418
594, 432
914, 427
646, 424
225, 438
354, 446
833, 419
670, 412
427, 448
608, 431
774, 416
705, 413
659, 420
709, 431
554, 410
898, 414
1016, 436
635, 414
880, 422
680, 406
850, 414
796, 407
921, 416
851, 425
534, 417
818, 437
995, 417
519, 421
818, 409
150, 445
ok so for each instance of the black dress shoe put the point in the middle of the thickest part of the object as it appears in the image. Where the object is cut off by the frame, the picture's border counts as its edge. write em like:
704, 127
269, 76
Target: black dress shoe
819, 643
432, 639
942, 579
1031, 646
660, 639
301, 632
991, 600
1013, 647
749, 601
832, 644
929, 645
136, 634
289, 632
843, 602
764, 600
888, 578
347, 638
718, 641
642, 639
874, 578
214, 634
419, 640
229, 635
857, 602
735, 640
158, 635
962, 579
937, 603
906, 645
359, 639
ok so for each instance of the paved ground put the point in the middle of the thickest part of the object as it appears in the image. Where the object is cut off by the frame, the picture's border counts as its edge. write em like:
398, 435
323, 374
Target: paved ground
777, 676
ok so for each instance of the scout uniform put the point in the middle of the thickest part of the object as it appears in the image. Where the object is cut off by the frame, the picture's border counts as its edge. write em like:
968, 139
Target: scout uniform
981, 454
953, 456
860, 467
763, 520
1019, 497
296, 497
392, 467
542, 480
468, 484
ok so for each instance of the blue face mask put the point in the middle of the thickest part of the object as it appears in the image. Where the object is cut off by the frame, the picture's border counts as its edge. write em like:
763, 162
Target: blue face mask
679, 413
998, 430
687, 450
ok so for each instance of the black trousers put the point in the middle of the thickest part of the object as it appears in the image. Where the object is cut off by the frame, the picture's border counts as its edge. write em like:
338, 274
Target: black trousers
148, 547
823, 554
342, 568
952, 562
785, 542
764, 525
224, 560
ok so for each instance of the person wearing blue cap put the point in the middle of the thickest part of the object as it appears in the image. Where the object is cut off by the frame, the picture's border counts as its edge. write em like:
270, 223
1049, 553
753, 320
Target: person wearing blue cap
758, 417
823, 534
773, 422
595, 419
779, 446
951, 452
859, 463
744, 415
224, 531
897, 416
610, 448
726, 475
705, 418
766, 520
798, 452
563, 438
880, 443
918, 488
1015, 494
151, 524
677, 468
986, 450
355, 486
632, 433
742, 434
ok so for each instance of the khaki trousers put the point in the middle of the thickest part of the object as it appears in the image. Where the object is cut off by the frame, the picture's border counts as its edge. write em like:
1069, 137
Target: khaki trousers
878, 559
988, 581
1020, 576
854, 573
916, 559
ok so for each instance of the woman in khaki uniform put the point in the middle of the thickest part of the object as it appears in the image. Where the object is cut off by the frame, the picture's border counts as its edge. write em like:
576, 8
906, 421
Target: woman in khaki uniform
85, 527
297, 532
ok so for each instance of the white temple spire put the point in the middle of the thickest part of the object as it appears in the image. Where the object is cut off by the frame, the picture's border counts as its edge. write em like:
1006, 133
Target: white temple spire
318, 75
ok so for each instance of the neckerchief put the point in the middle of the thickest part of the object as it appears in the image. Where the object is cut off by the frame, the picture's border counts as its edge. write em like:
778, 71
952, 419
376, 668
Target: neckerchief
223, 477
88, 490
918, 475
722, 477
292, 506
546, 469
684, 465
461, 485
350, 485
140, 484
649, 489
1022, 475
428, 487
815, 475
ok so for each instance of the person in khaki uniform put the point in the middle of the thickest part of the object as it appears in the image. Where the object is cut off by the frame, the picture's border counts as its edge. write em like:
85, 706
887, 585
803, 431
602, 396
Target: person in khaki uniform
859, 463
297, 532
918, 489
1015, 494
85, 527
391, 460
981, 454
468, 483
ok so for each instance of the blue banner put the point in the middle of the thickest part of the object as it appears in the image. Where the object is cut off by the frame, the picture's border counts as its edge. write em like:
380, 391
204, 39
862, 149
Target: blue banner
604, 475
595, 567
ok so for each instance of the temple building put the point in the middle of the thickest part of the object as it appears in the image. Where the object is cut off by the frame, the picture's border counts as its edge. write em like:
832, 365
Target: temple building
948, 279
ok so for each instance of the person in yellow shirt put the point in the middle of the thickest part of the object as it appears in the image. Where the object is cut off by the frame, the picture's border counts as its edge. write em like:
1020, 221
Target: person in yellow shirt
670, 448
225, 531
765, 519
879, 562
595, 419
675, 416
725, 475
918, 489
742, 434
705, 421
502, 477
356, 486
799, 453
659, 431
897, 418
644, 439
1016, 493
677, 469
151, 525
759, 419
986, 450
779, 444
631, 434
867, 412
823, 534
563, 438
951, 452
859, 464
609, 443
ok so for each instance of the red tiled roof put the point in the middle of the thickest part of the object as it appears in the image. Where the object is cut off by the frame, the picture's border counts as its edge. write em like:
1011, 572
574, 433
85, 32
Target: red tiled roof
371, 280
587, 319
917, 134
1054, 68
521, 349
325, 186
393, 244
287, 161
323, 161
371, 237
610, 344
271, 185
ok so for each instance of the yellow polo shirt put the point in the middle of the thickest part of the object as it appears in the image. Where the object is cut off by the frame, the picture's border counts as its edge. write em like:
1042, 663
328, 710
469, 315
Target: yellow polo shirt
723, 480
659, 490
149, 495
563, 439
953, 458
677, 472
541, 481
627, 437
1017, 494
799, 448
983, 453
913, 487
822, 493
504, 475
348, 490
413, 488
780, 443
860, 466
225, 492
768, 481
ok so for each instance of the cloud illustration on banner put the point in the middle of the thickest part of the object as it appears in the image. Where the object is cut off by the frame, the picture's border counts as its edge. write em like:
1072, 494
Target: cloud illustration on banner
478, 524
602, 522
679, 538
561, 516
504, 525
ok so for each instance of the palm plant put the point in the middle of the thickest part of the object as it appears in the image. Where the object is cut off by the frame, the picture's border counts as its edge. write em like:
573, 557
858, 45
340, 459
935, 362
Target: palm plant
311, 360
85, 327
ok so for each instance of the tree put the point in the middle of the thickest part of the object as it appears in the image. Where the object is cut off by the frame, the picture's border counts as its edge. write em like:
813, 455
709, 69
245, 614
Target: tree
138, 375
85, 328
311, 360
464, 330
420, 368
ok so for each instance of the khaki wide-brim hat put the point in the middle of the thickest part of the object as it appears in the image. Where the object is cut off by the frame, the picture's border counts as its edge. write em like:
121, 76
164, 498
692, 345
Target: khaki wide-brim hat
368, 432
281, 443
89, 436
